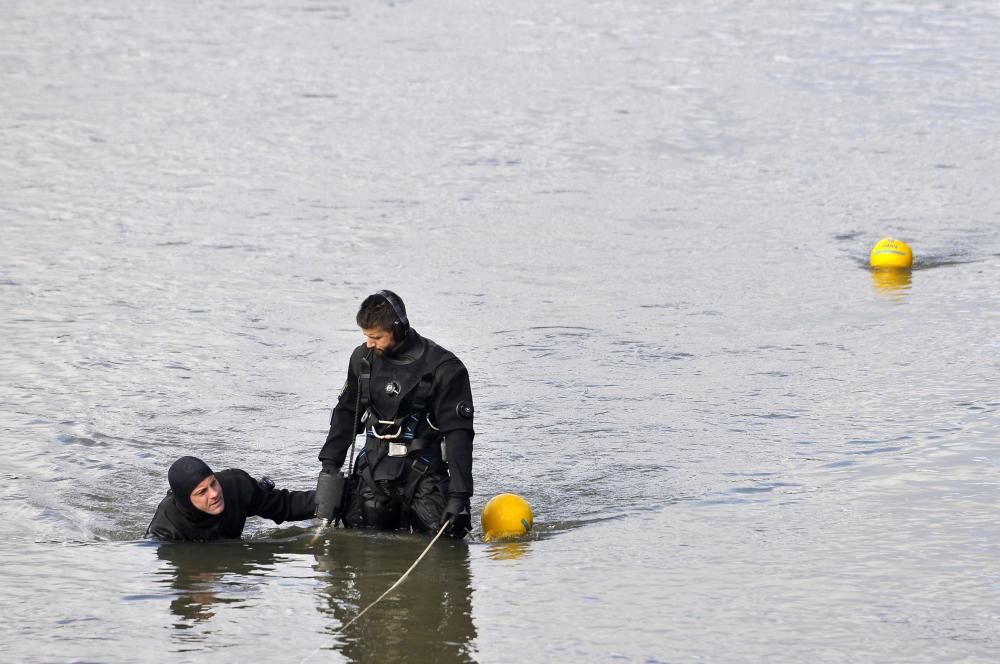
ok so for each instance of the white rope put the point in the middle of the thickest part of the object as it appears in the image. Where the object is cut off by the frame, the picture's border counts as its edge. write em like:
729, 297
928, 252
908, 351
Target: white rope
398, 581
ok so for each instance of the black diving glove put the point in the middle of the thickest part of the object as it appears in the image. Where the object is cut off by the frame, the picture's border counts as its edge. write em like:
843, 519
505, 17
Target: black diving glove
330, 490
456, 511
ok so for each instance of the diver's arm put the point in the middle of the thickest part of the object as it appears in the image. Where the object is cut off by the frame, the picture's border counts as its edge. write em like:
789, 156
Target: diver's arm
343, 420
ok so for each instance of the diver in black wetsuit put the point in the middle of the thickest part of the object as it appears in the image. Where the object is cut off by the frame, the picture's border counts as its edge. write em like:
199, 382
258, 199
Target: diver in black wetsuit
202, 505
413, 400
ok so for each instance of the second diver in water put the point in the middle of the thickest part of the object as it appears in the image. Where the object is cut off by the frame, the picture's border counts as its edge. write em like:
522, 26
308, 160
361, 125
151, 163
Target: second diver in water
202, 505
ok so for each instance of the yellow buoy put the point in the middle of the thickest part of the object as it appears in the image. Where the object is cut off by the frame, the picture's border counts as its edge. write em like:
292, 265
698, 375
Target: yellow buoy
890, 253
506, 516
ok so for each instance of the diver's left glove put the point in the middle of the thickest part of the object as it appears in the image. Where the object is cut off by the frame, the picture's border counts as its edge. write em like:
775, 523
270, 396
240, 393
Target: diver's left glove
456, 511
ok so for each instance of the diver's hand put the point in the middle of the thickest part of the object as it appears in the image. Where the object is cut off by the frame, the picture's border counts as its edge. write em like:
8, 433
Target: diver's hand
456, 512
330, 489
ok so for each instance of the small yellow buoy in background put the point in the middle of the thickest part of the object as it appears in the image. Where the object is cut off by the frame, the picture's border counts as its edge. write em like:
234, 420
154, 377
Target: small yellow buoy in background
506, 516
891, 254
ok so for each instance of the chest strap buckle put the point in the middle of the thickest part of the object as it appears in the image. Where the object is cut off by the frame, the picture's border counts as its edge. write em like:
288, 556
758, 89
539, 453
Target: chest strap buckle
391, 435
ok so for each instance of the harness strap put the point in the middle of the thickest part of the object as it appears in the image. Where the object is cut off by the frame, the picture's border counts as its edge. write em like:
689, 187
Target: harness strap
369, 478
422, 393
402, 425
364, 382
356, 424
418, 469
418, 444
378, 448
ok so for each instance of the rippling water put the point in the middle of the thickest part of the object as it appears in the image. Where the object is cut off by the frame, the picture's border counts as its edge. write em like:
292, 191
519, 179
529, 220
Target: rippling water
644, 227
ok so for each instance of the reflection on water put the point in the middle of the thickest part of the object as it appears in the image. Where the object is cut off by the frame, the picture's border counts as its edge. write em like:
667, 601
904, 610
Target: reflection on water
429, 613
892, 283
195, 573
507, 550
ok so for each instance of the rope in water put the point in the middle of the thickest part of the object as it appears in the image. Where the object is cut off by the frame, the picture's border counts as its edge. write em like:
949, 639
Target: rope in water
390, 589
398, 581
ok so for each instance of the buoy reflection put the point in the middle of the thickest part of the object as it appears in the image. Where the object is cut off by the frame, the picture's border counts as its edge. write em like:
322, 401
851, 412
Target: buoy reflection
894, 284
506, 550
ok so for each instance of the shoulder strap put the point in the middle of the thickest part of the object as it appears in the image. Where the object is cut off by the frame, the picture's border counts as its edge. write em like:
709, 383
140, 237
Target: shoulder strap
364, 383
423, 393
364, 396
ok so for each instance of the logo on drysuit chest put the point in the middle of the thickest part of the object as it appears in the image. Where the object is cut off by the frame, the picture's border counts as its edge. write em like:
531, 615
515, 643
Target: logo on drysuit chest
392, 389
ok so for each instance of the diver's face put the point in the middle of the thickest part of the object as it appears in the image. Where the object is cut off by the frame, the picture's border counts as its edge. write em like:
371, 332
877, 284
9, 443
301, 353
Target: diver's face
207, 496
378, 339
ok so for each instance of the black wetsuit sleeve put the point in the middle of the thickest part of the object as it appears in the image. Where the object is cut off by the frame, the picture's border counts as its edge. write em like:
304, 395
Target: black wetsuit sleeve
283, 505
453, 413
458, 447
342, 423
278, 504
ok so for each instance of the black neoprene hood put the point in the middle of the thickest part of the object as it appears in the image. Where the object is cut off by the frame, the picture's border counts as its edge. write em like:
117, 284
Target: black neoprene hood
184, 475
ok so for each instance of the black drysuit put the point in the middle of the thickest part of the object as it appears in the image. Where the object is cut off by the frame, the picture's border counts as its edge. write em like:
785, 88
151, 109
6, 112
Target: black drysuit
423, 389
243, 498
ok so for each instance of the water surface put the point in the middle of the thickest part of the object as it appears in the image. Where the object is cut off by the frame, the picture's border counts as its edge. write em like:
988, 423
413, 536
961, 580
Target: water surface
644, 228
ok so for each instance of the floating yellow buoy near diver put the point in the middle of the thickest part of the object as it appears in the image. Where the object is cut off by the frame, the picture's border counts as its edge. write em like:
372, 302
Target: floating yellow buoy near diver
506, 516
891, 254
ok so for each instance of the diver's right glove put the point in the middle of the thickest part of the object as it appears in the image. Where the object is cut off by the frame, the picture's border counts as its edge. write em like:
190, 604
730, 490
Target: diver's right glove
456, 511
331, 488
